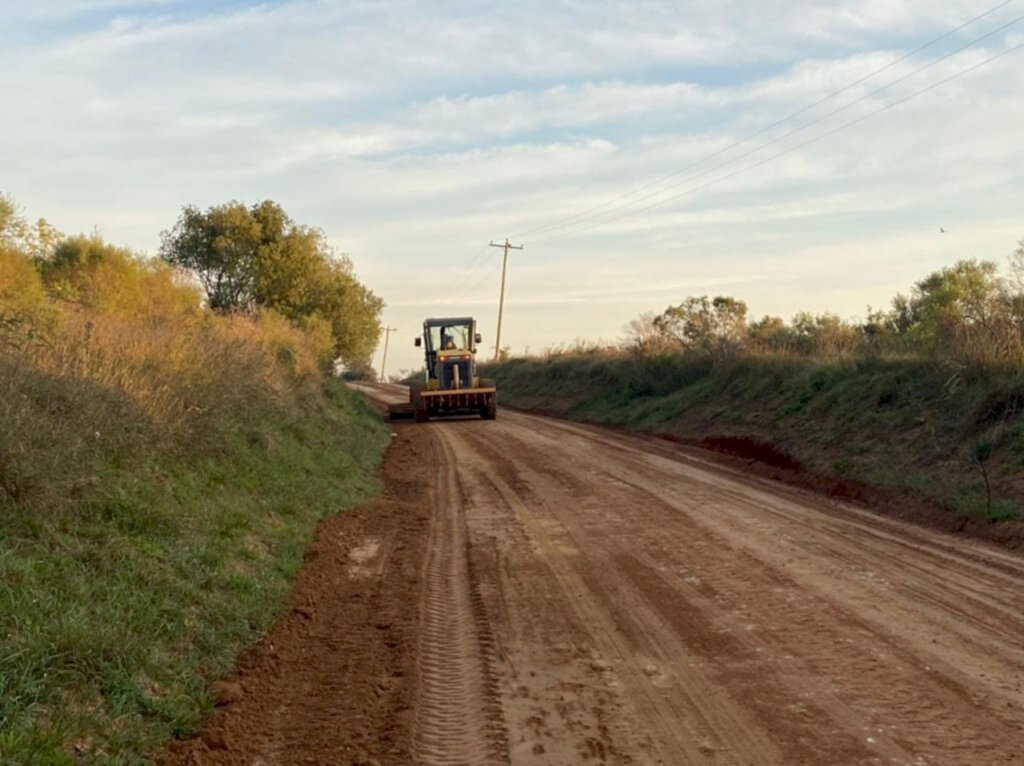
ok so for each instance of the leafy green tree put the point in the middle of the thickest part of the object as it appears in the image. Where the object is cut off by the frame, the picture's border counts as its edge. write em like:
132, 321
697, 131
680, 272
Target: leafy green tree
880, 330
221, 247
355, 316
963, 311
706, 324
256, 257
965, 293
825, 334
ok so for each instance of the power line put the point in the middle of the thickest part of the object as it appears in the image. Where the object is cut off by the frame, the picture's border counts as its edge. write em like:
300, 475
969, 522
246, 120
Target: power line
485, 277
560, 223
476, 263
766, 144
479, 262
766, 160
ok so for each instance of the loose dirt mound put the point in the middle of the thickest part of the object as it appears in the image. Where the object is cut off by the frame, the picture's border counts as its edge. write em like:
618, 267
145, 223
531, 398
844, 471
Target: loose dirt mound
334, 680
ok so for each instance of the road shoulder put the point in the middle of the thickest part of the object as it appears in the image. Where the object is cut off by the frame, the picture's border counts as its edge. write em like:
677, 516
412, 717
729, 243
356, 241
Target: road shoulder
334, 680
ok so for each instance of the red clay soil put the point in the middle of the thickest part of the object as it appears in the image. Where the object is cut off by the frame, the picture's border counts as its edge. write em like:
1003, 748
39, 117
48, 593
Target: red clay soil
768, 461
333, 682
582, 596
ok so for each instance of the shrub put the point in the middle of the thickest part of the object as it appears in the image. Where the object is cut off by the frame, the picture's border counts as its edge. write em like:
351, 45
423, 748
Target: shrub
114, 281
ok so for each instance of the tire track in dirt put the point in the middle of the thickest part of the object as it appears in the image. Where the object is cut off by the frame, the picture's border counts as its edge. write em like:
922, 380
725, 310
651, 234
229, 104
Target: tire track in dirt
864, 635
972, 616
659, 686
535, 592
987, 586
458, 718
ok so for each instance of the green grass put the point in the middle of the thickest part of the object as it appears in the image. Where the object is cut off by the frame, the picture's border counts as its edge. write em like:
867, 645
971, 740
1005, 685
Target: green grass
904, 425
116, 612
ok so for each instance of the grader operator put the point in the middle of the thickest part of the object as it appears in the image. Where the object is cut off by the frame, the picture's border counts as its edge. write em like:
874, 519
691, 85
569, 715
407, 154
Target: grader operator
451, 385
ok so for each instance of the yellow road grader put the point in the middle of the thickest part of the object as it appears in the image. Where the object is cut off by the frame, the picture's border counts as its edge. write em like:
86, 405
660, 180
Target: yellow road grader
451, 385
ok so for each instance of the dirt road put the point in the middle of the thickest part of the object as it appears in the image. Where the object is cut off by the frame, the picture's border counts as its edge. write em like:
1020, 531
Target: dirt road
589, 597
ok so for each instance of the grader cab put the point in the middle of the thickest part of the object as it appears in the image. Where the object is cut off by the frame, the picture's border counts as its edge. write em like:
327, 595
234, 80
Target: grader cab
451, 385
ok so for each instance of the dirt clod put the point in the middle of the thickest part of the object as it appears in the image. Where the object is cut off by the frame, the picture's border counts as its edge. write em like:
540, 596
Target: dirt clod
226, 692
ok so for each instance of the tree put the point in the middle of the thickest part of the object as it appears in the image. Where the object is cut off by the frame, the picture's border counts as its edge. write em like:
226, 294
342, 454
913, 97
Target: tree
257, 257
880, 329
825, 334
1015, 294
645, 336
771, 333
352, 311
963, 310
221, 246
37, 240
709, 325
9, 221
24, 308
1017, 268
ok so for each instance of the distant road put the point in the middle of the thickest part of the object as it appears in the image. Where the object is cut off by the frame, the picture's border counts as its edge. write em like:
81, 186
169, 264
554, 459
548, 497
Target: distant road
385, 393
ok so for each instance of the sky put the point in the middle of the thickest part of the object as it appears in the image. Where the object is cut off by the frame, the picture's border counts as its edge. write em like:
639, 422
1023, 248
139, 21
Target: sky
639, 150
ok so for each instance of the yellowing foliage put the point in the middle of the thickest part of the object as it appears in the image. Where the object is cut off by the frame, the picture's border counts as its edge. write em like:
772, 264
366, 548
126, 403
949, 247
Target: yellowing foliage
21, 288
115, 281
99, 345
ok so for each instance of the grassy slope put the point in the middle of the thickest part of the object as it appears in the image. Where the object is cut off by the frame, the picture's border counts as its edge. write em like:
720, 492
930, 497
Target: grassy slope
898, 426
113, 617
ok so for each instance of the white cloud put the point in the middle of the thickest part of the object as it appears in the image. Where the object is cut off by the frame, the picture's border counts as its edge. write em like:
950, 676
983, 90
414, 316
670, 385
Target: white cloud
50, 10
415, 132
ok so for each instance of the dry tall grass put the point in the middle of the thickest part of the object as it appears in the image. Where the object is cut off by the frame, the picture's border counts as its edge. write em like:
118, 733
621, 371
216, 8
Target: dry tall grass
103, 352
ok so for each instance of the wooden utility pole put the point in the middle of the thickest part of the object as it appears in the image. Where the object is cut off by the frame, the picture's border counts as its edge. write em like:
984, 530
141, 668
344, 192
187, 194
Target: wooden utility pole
501, 300
384, 361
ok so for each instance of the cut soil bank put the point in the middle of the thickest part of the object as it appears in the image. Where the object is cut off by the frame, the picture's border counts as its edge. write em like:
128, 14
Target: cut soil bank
333, 682
766, 460
904, 437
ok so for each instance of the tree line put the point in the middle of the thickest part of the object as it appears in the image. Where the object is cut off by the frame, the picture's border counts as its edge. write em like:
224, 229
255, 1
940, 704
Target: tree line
969, 313
252, 260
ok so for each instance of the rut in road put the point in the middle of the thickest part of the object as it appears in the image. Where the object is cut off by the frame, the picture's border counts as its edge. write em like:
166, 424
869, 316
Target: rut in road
652, 608
590, 675
458, 719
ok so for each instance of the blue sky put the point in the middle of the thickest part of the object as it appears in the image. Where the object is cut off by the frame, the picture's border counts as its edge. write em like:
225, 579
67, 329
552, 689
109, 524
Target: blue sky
415, 132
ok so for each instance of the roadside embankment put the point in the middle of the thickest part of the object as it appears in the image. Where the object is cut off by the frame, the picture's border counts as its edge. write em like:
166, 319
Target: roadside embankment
162, 471
122, 606
935, 443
